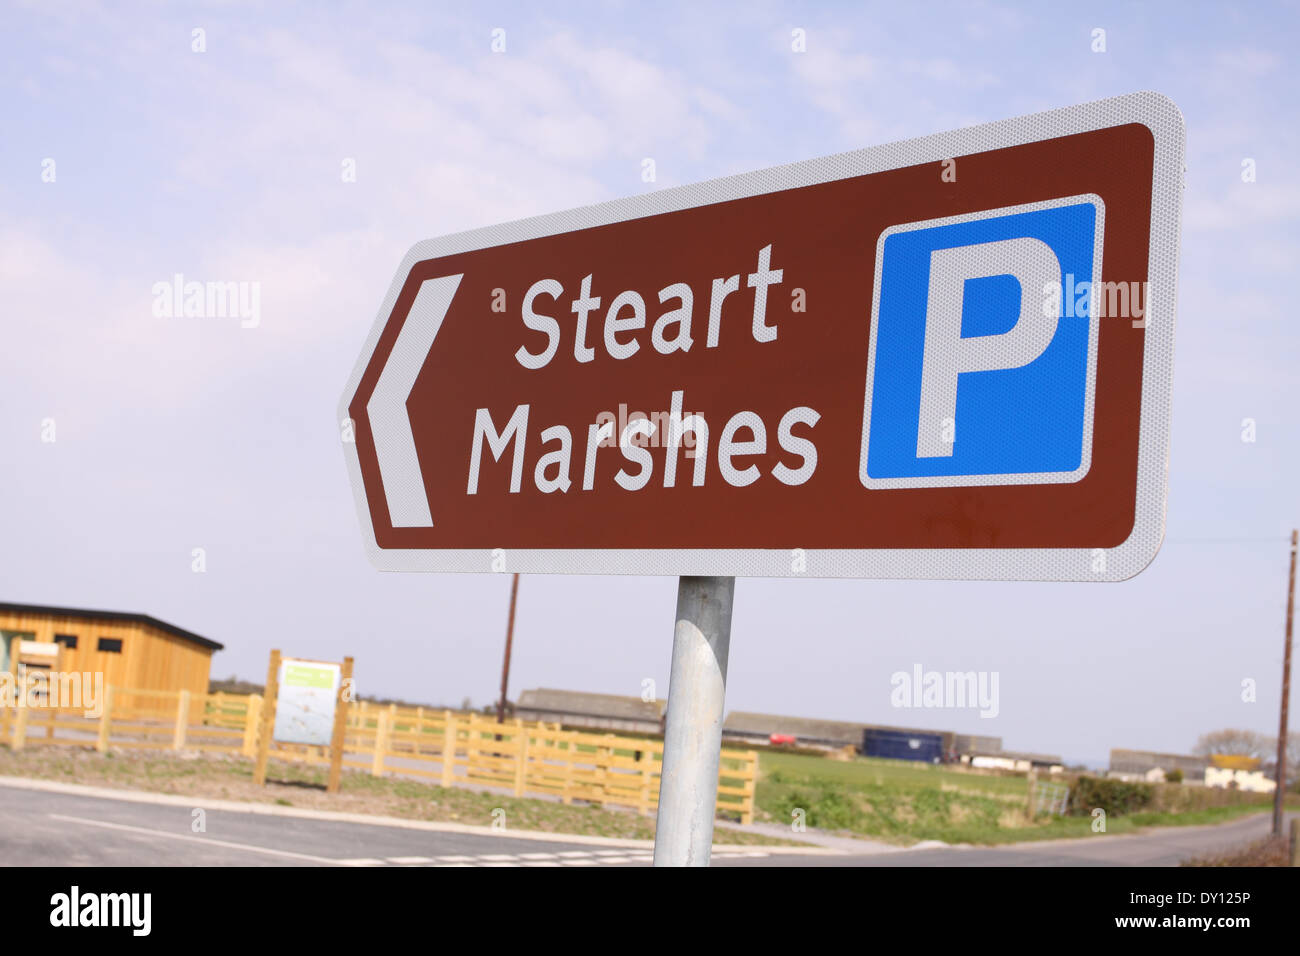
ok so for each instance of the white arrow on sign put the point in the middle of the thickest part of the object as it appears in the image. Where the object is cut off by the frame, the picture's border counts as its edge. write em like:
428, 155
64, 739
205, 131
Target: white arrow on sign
390, 423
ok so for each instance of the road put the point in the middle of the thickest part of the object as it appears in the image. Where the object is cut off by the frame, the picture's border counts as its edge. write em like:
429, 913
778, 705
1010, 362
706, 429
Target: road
1163, 846
44, 828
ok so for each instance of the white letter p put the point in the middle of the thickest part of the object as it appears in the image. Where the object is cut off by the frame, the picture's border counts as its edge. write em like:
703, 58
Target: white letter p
1033, 264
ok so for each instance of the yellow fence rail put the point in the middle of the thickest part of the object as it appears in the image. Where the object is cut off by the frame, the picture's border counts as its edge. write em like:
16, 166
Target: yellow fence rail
444, 747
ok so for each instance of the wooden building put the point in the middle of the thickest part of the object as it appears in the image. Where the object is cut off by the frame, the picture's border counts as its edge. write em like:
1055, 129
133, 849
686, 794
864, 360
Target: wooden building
133, 651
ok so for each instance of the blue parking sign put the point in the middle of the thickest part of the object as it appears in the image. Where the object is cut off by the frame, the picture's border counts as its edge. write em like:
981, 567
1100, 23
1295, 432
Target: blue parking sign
983, 349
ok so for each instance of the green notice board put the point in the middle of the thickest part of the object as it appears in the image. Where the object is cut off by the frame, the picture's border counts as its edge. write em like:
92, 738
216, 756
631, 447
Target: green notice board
305, 702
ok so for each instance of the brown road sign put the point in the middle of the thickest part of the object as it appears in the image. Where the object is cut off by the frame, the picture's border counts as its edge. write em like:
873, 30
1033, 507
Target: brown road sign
949, 357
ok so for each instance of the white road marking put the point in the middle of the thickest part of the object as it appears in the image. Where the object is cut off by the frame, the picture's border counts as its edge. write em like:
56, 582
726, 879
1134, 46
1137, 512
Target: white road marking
567, 858
247, 847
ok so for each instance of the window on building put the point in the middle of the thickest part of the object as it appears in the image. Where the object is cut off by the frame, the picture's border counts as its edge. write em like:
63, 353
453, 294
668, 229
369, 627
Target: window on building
110, 645
67, 640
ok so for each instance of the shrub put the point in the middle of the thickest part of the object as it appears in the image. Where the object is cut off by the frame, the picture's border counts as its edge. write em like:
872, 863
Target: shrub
1116, 797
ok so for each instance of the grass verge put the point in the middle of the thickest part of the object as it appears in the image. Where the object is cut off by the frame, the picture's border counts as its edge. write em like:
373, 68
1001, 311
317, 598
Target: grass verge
903, 803
223, 777
1270, 851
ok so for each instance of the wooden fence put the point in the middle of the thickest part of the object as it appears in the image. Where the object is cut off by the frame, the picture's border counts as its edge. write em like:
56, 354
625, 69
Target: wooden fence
444, 747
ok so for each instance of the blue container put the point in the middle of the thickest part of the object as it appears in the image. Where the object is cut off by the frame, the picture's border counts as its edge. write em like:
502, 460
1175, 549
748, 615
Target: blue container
899, 745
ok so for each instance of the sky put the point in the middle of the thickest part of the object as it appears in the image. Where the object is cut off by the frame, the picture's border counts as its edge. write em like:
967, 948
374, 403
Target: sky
224, 164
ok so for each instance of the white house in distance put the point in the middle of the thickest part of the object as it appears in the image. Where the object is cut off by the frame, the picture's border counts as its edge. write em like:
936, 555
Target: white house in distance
1238, 773
1227, 771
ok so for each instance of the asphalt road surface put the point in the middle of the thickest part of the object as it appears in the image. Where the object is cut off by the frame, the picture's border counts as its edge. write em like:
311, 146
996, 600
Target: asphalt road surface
41, 828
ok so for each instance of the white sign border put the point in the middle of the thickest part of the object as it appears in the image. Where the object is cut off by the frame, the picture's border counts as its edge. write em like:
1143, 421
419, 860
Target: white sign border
1153, 110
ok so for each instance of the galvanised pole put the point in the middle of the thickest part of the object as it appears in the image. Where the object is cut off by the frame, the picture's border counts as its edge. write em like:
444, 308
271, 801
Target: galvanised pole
688, 789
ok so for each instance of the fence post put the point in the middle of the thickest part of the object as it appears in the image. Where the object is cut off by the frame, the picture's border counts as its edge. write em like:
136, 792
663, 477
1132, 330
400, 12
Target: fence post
747, 809
20, 723
105, 720
604, 757
521, 757
643, 758
182, 718
339, 732
266, 719
381, 742
252, 714
1032, 779
448, 748
570, 750
1295, 841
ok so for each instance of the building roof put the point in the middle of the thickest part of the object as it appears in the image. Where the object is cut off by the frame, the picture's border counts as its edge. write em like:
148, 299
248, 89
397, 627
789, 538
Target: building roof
977, 743
830, 731
1235, 762
590, 705
40, 610
1140, 761
1050, 759
807, 728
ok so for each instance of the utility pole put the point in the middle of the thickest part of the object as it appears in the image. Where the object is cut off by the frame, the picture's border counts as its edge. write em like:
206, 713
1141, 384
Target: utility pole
510, 637
1279, 795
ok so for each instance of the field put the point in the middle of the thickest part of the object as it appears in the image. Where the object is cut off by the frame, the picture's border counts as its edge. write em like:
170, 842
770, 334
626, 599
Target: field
904, 802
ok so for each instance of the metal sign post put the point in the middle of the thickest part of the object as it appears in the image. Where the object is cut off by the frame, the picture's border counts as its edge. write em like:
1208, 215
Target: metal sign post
688, 786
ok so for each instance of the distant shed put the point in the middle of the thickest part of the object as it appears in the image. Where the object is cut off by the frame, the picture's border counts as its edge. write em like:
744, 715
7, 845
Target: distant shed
1152, 765
574, 708
901, 745
756, 728
135, 651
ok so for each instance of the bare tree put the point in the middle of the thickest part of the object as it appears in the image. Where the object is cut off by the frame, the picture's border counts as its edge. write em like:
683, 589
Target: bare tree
1292, 757
1244, 743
